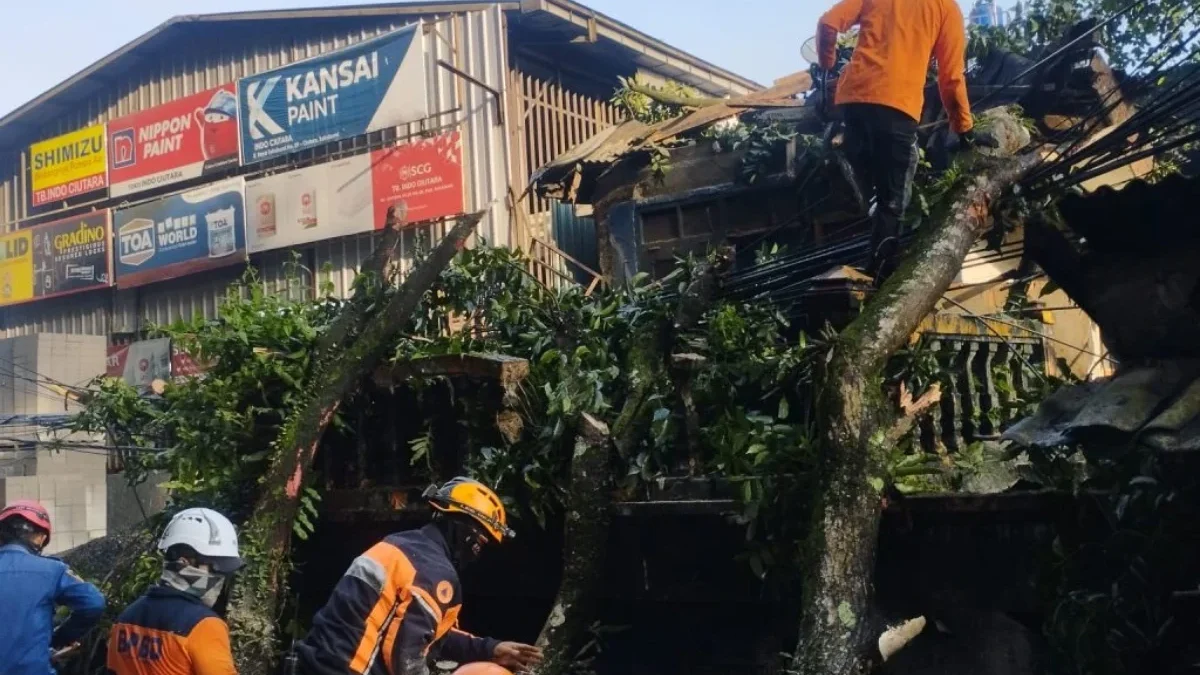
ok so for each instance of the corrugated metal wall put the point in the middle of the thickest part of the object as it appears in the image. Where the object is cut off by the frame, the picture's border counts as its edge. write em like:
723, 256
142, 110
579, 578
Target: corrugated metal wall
474, 42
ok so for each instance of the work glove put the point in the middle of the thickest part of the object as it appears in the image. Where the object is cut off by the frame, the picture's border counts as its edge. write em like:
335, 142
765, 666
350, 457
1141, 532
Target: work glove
971, 140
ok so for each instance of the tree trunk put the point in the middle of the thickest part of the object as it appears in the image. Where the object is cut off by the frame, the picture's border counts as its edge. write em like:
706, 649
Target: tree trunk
254, 612
584, 544
589, 510
839, 629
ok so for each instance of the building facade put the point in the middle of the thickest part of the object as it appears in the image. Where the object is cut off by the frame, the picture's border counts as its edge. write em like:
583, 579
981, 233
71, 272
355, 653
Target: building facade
138, 191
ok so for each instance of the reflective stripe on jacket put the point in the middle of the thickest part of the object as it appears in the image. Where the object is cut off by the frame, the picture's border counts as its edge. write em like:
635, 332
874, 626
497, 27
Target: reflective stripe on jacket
896, 39
396, 603
31, 586
168, 632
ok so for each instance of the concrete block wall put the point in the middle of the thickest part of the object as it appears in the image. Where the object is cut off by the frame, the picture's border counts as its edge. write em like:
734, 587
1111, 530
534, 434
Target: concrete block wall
72, 486
71, 483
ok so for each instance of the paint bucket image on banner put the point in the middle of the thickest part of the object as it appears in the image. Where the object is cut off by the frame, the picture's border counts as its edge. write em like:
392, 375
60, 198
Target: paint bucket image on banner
264, 216
222, 238
308, 209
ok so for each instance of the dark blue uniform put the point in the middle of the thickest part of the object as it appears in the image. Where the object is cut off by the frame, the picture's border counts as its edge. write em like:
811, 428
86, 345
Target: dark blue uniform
398, 602
168, 632
31, 586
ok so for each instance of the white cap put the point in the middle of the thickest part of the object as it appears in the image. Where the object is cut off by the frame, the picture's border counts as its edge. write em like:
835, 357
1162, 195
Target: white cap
208, 533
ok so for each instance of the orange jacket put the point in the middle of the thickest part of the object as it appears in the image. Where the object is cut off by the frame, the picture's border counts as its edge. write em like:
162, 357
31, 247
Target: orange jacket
895, 41
167, 632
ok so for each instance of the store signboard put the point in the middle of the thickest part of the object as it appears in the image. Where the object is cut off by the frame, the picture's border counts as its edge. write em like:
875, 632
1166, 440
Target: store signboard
320, 202
422, 179
69, 165
187, 138
181, 234
374, 84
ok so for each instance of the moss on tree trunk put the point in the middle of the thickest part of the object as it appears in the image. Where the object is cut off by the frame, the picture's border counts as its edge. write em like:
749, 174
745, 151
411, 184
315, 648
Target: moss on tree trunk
584, 546
839, 627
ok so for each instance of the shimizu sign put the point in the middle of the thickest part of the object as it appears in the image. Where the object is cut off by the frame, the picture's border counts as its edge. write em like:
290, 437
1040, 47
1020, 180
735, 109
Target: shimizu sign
69, 165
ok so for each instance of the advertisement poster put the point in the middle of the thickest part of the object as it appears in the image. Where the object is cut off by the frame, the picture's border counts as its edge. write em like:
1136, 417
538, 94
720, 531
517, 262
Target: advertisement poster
320, 202
181, 234
16, 267
177, 141
71, 255
375, 84
141, 363
422, 179
69, 165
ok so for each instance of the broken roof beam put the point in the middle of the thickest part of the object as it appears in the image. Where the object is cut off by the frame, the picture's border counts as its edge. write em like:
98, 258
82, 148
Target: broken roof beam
507, 371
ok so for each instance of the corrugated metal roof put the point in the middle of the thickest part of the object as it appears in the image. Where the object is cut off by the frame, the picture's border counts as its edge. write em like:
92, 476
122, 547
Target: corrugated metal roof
569, 175
646, 51
1157, 406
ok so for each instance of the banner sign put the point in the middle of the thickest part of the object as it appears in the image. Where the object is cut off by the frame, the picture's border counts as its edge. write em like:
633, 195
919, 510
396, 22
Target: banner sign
181, 234
177, 141
69, 165
71, 255
320, 202
141, 363
16, 267
372, 85
423, 179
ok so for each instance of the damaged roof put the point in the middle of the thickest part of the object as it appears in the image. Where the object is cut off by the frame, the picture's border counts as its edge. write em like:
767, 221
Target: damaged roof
1135, 269
571, 175
1155, 406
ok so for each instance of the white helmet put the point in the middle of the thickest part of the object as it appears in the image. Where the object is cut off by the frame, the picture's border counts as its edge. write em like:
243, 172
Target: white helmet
208, 533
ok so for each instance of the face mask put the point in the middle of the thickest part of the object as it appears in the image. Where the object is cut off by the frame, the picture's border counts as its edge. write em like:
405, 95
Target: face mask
196, 582
466, 542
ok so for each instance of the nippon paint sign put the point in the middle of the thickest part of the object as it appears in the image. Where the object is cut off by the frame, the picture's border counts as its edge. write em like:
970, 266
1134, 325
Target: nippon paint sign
187, 138
372, 85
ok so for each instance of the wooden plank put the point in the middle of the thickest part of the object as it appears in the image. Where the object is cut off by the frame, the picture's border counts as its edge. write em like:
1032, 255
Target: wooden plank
502, 369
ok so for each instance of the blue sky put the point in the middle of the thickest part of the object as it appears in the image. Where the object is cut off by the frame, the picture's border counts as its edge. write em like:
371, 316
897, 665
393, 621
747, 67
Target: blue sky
757, 38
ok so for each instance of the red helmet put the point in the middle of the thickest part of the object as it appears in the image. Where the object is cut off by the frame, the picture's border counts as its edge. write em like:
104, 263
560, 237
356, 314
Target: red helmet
30, 511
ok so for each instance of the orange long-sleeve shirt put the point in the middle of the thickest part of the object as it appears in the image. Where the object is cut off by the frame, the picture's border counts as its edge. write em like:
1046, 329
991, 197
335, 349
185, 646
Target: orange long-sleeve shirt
896, 39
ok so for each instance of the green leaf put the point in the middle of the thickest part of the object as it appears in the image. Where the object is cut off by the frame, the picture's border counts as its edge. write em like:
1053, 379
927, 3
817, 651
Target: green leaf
783, 408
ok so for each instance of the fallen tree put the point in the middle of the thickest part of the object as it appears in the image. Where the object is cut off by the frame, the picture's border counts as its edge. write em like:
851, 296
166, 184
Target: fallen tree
840, 628
254, 611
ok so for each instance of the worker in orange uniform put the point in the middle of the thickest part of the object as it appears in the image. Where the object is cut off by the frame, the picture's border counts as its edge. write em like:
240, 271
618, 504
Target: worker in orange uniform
176, 627
881, 93
398, 603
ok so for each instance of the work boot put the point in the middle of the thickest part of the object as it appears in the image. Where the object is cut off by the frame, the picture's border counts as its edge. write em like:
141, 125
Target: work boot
883, 260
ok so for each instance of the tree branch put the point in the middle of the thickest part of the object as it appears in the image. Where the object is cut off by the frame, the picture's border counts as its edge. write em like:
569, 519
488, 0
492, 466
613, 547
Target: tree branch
671, 99
839, 627
254, 611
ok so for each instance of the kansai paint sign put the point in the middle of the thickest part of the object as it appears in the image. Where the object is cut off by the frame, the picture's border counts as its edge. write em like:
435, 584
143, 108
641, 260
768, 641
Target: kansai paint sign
16, 267
69, 165
181, 140
72, 255
320, 202
375, 84
181, 234
422, 179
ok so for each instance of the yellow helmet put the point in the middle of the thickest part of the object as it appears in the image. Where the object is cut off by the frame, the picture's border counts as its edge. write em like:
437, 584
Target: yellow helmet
470, 497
